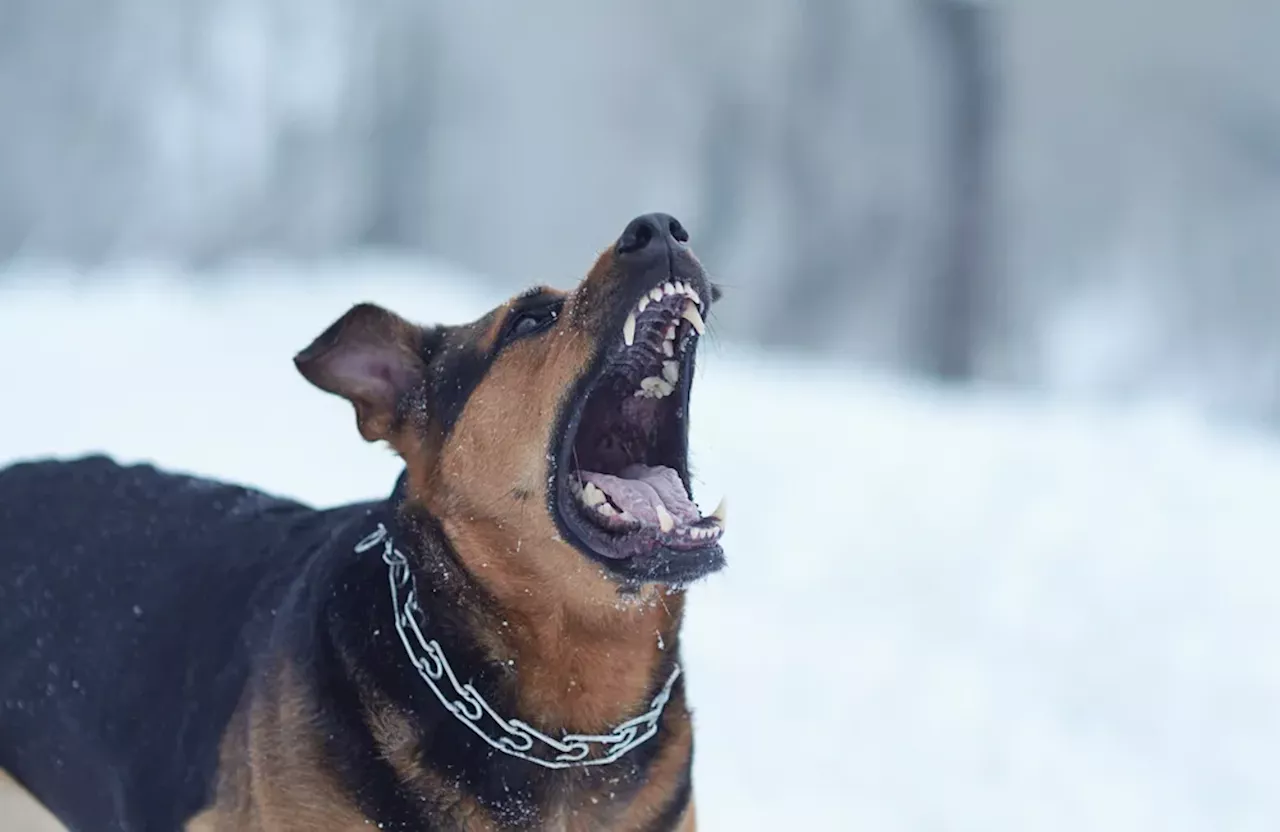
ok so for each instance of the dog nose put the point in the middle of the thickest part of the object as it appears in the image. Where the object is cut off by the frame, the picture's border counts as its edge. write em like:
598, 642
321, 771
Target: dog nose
651, 231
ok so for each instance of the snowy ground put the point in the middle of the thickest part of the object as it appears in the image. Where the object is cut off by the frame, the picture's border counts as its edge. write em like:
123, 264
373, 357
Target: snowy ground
942, 612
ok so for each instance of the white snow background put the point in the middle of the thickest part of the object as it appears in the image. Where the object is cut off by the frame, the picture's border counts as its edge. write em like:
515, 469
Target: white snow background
942, 611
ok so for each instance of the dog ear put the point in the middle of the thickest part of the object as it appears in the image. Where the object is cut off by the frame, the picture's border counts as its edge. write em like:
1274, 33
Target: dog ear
372, 358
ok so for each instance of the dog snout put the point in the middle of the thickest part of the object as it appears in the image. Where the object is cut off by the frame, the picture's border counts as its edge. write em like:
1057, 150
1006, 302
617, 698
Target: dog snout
651, 233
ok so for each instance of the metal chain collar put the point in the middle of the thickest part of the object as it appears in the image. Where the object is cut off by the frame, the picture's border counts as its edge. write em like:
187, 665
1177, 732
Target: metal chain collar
510, 736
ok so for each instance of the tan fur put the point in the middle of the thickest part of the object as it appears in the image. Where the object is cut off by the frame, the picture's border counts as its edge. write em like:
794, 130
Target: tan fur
585, 657
395, 736
653, 798
20, 812
690, 821
273, 776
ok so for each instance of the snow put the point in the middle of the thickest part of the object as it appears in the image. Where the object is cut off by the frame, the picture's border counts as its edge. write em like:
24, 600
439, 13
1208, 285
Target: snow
943, 610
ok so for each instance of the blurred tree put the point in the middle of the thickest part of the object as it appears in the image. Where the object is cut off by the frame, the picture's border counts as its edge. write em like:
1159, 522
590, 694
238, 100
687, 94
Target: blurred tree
960, 295
399, 144
725, 160
819, 261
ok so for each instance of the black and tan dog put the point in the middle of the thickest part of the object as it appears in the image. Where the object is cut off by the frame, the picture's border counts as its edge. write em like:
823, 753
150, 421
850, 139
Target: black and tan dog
495, 646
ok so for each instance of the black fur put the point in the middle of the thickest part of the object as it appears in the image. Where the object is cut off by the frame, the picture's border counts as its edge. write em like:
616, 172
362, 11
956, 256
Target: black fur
116, 679
136, 606
671, 814
457, 366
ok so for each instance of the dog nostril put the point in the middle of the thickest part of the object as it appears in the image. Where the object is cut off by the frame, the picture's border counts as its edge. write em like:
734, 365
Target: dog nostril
644, 231
637, 235
678, 231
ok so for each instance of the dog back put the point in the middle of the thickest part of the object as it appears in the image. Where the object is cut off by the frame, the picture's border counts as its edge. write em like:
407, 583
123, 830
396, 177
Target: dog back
131, 603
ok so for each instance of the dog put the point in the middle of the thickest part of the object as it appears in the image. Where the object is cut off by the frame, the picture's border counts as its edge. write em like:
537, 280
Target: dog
495, 645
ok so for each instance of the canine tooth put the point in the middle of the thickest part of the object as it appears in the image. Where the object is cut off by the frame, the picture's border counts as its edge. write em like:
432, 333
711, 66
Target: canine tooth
668, 288
665, 522
668, 348
719, 513
670, 370
656, 293
644, 301
693, 293
629, 330
591, 495
691, 315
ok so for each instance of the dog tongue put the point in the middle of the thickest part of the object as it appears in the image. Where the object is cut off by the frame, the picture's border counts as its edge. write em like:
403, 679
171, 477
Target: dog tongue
641, 488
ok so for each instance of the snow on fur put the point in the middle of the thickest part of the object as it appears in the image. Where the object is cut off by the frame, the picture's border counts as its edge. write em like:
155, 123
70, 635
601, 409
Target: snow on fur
942, 611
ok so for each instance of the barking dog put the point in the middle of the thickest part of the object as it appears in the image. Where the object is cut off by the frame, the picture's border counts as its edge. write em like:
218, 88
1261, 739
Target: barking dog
494, 646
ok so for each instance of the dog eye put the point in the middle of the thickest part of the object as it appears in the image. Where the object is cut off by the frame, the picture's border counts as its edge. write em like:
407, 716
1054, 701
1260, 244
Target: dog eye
530, 321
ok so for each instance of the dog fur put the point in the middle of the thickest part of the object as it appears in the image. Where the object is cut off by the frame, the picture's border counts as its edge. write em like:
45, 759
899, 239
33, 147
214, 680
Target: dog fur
178, 653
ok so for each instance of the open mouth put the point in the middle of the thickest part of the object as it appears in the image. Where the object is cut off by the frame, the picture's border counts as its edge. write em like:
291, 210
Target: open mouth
623, 490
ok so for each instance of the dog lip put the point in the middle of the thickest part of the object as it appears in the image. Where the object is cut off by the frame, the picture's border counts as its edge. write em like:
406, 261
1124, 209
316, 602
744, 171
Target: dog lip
642, 552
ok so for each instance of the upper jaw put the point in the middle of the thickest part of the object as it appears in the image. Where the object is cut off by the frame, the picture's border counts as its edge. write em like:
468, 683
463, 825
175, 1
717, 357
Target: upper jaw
661, 322
684, 293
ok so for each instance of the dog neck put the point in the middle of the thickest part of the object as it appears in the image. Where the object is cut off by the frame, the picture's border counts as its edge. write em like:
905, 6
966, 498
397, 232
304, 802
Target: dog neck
529, 709
565, 669
561, 667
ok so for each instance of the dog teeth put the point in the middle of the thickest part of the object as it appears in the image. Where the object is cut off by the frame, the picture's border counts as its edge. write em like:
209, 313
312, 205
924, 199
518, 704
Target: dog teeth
690, 312
665, 521
607, 510
671, 287
671, 371
651, 384
691, 315
591, 495
668, 348
719, 513
654, 388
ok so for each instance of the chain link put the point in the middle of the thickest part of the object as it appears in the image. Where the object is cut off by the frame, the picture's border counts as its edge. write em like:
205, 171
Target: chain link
510, 736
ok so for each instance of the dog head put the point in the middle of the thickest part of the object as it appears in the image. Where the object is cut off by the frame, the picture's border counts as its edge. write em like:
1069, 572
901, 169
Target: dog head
549, 438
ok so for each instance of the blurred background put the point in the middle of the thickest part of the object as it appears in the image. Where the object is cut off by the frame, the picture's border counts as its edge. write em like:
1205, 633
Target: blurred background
1081, 196
1002, 288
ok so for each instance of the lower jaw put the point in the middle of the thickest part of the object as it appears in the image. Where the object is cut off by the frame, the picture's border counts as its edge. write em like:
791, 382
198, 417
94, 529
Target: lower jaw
667, 567
643, 557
